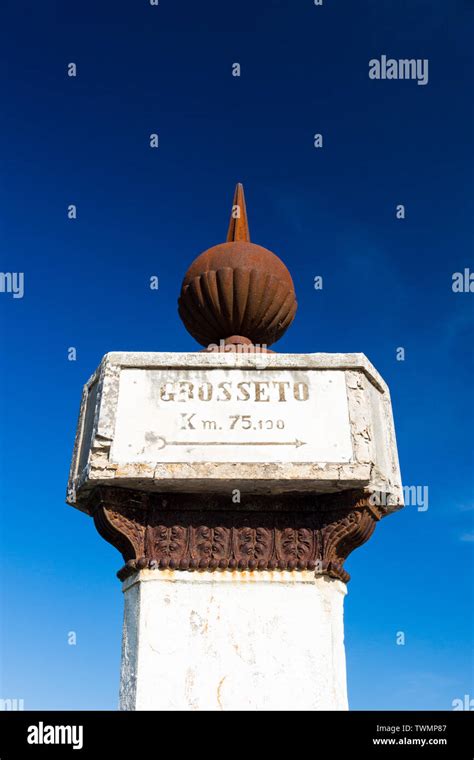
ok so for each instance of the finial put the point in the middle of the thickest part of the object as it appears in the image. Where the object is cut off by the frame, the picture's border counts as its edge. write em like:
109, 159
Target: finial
237, 292
238, 225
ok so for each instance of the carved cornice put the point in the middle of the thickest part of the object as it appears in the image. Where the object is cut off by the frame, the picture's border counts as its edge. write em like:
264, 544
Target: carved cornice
200, 532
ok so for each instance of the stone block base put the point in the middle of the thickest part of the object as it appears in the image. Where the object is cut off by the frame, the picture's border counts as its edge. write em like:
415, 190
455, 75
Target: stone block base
242, 640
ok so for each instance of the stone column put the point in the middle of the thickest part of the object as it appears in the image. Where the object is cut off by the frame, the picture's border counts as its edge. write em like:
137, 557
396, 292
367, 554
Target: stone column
235, 483
233, 608
265, 640
234, 568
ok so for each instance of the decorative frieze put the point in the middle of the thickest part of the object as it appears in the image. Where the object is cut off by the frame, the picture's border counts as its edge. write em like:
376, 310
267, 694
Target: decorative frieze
200, 532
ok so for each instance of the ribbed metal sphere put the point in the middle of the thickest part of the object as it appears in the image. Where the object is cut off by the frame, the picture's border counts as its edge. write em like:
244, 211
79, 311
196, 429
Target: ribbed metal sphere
237, 288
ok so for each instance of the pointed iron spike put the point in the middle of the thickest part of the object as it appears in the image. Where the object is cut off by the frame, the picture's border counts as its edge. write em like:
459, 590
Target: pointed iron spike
238, 225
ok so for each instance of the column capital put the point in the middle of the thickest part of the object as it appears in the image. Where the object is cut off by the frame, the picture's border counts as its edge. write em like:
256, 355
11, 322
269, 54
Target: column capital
203, 532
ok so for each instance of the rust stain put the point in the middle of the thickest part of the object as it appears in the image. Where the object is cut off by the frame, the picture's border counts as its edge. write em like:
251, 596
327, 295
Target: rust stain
219, 688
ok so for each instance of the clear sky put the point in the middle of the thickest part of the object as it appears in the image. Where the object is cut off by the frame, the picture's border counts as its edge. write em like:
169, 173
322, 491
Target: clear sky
330, 211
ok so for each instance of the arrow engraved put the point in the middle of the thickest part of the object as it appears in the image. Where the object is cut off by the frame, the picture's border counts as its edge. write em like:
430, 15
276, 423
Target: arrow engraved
296, 443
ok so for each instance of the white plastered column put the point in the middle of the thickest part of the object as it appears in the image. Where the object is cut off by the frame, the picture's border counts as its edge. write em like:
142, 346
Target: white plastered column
266, 640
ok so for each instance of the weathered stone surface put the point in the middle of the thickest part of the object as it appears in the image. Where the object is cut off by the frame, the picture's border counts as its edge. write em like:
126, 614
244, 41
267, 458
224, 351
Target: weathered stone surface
263, 423
233, 641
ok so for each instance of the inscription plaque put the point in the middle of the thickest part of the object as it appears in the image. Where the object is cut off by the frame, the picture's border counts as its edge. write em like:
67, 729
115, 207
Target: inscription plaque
210, 422
232, 415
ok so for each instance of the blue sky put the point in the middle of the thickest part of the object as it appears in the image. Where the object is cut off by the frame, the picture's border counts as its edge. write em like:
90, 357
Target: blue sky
144, 212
